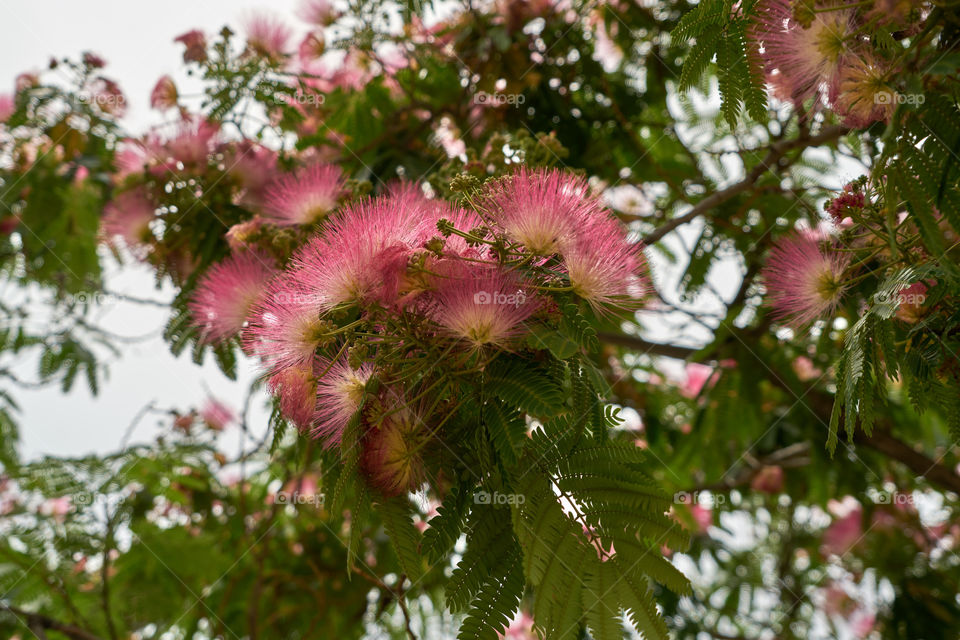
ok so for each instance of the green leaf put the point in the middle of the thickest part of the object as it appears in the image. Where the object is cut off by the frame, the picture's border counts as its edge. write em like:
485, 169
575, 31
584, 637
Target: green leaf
404, 537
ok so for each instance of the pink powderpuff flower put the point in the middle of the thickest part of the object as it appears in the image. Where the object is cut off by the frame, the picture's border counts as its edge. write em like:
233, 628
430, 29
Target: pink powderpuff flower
311, 47
392, 456
216, 415
128, 216
807, 61
26, 80
911, 301
362, 255
768, 480
57, 508
847, 528
296, 389
805, 369
241, 235
268, 36
803, 281
285, 327
195, 42
866, 95
317, 12
305, 197
227, 293
131, 158
520, 628
483, 306
340, 391
252, 166
702, 518
93, 61
193, 144
605, 269
108, 97
7, 107
164, 94
543, 209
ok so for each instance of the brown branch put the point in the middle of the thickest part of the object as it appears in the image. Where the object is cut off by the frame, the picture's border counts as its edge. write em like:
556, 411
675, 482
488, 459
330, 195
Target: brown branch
39, 622
654, 348
882, 441
896, 449
775, 154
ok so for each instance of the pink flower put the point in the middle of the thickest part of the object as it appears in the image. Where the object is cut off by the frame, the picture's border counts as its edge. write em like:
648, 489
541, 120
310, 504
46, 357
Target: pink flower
216, 415
225, 297
57, 508
253, 167
806, 61
196, 45
305, 197
543, 209
317, 12
26, 80
483, 306
7, 106
803, 281
604, 268
311, 47
520, 628
768, 480
193, 143
164, 94
805, 368
131, 158
285, 326
866, 95
241, 235
362, 255
93, 61
339, 393
108, 97
392, 457
128, 217
697, 376
296, 390
268, 36
849, 202
911, 301
702, 517
847, 527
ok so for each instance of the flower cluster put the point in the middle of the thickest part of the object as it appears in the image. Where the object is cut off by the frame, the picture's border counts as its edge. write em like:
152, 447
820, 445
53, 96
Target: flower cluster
396, 297
829, 54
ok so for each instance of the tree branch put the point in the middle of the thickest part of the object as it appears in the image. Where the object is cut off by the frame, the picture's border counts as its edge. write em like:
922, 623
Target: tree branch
41, 622
892, 447
655, 348
776, 152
